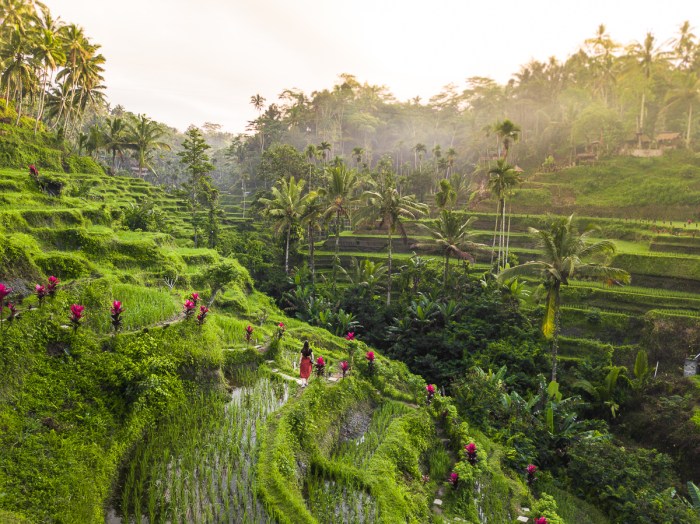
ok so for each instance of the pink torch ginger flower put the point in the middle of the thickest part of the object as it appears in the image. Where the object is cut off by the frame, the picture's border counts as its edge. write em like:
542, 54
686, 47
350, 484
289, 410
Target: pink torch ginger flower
454, 479
203, 310
531, 472
194, 297
344, 366
430, 390
116, 311
40, 293
541, 520
33, 170
248, 333
350, 336
76, 315
13, 310
51, 286
320, 361
470, 450
4, 291
370, 356
281, 328
320, 366
188, 308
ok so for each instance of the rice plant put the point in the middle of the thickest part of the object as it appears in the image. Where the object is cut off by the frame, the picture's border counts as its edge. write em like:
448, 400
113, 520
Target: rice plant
199, 464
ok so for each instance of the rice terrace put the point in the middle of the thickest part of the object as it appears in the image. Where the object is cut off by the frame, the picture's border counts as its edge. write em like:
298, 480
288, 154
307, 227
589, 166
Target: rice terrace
240, 285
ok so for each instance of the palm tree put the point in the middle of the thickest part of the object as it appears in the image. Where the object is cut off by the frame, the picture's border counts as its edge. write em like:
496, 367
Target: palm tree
18, 75
115, 139
49, 53
507, 132
645, 56
502, 179
418, 151
451, 234
286, 208
687, 94
389, 208
358, 153
365, 275
258, 102
144, 135
446, 197
323, 149
564, 250
311, 218
339, 200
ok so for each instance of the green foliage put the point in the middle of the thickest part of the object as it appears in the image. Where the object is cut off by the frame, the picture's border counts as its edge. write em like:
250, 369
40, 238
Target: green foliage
82, 164
63, 265
546, 506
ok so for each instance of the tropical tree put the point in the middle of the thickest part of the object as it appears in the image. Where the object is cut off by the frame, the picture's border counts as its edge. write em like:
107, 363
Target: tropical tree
507, 133
311, 218
18, 75
502, 179
389, 208
48, 51
451, 234
365, 275
445, 198
144, 136
564, 251
685, 94
115, 138
196, 161
645, 56
418, 151
286, 207
339, 201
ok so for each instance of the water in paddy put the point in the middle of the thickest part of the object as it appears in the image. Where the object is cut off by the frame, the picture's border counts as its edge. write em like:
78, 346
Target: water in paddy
199, 466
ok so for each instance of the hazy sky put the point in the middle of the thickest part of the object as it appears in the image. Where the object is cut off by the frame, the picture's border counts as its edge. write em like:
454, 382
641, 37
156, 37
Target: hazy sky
191, 61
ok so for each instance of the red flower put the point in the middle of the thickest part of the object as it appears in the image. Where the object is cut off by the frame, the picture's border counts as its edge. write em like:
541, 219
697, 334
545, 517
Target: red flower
430, 389
531, 471
40, 293
76, 315
541, 520
248, 333
33, 170
370, 356
4, 291
203, 310
116, 308
280, 330
454, 479
194, 297
281, 325
320, 366
350, 335
51, 287
470, 450
320, 361
344, 366
13, 310
188, 308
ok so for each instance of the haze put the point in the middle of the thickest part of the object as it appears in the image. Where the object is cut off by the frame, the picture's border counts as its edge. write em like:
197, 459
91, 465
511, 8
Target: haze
184, 62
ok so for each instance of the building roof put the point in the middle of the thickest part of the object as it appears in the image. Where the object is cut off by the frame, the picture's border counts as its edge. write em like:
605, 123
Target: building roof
667, 136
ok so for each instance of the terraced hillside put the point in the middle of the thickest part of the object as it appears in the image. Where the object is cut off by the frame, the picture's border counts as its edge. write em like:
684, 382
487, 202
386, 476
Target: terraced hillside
165, 420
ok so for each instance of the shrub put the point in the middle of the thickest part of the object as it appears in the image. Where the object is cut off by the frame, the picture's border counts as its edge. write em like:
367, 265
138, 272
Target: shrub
63, 265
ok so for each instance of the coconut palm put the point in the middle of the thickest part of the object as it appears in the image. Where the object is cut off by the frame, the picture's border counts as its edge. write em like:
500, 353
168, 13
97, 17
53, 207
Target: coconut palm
502, 179
451, 234
645, 57
339, 201
115, 138
507, 132
144, 136
390, 209
49, 53
564, 251
418, 151
18, 76
445, 198
685, 94
311, 219
286, 208
324, 149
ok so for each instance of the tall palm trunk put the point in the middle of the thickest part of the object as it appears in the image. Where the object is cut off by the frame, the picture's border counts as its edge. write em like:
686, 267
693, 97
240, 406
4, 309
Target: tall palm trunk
312, 264
40, 111
447, 268
336, 257
508, 235
388, 287
557, 328
501, 249
286, 251
690, 119
495, 230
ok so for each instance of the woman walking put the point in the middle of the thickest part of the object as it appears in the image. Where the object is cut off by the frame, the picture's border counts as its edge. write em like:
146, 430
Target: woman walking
305, 363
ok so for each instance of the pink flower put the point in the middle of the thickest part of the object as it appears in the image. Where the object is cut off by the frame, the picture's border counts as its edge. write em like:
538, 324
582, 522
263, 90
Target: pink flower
280, 325
203, 310
470, 450
344, 366
370, 356
350, 335
4, 291
531, 469
33, 170
116, 312
77, 311
320, 361
188, 308
320, 366
454, 479
541, 520
51, 287
248, 333
116, 308
430, 389
40, 293
76, 315
249, 329
194, 297
13, 310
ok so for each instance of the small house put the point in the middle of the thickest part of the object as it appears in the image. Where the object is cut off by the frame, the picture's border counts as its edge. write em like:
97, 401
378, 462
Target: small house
669, 140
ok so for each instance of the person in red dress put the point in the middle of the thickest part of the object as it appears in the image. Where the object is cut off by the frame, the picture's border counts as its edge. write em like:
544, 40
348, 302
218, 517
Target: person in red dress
306, 363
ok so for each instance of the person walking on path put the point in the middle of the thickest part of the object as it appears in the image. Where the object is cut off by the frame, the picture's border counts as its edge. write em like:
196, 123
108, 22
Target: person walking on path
306, 363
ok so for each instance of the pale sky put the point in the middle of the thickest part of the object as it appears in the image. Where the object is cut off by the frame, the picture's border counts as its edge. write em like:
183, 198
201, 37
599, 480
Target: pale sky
193, 61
